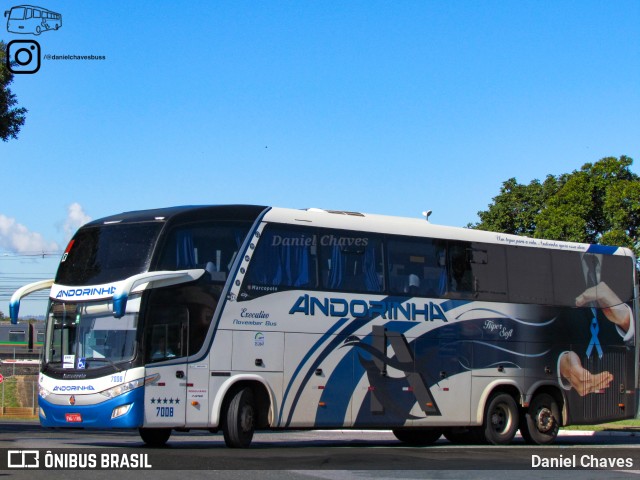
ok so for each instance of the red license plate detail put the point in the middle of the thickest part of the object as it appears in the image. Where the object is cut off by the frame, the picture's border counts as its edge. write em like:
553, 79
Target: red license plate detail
73, 417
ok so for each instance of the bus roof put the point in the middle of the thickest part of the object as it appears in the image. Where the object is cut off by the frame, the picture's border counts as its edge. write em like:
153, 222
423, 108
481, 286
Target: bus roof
345, 220
187, 213
422, 228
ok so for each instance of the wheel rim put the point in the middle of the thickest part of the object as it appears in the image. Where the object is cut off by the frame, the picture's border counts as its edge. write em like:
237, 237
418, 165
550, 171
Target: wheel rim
545, 420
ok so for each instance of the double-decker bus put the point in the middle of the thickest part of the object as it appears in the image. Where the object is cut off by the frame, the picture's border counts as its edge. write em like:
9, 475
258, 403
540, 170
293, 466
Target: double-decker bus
32, 20
241, 318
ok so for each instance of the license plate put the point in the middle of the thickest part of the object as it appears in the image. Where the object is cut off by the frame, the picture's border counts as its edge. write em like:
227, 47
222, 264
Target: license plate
73, 417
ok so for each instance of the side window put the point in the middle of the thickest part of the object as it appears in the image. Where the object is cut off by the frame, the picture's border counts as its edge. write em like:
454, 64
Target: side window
608, 277
460, 279
209, 246
17, 336
529, 275
287, 258
489, 270
166, 333
417, 267
284, 258
351, 261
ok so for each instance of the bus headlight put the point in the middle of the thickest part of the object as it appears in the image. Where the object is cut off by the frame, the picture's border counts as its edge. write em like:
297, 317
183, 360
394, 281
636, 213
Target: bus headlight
124, 388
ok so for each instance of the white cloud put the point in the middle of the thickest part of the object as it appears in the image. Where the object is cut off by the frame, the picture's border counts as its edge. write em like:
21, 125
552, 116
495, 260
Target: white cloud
75, 219
16, 238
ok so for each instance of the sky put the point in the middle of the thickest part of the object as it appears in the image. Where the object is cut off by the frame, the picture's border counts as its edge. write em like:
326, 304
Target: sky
374, 106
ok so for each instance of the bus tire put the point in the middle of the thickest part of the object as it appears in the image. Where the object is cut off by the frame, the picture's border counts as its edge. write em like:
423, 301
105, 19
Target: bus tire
240, 421
541, 421
500, 419
155, 437
418, 436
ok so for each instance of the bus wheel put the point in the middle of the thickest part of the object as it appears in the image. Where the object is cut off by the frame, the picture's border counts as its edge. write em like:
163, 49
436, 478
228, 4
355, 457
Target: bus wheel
418, 436
542, 420
155, 437
240, 420
501, 419
38, 30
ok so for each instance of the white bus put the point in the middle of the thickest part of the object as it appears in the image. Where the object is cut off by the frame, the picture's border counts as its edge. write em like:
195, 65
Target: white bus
241, 318
28, 19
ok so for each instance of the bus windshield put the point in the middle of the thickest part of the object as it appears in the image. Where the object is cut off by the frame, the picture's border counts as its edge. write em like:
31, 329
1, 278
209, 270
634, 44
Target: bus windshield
17, 13
107, 253
85, 336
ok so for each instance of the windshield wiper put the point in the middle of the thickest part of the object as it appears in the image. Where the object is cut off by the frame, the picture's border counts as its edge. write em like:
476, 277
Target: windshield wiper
105, 360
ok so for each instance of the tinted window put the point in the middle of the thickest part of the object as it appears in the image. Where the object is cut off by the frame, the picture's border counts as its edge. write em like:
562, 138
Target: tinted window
417, 267
166, 333
489, 269
284, 258
351, 261
210, 246
316, 258
606, 279
529, 275
107, 253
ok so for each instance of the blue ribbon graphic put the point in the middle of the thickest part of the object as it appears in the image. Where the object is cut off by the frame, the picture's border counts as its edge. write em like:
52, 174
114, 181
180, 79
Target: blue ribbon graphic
595, 329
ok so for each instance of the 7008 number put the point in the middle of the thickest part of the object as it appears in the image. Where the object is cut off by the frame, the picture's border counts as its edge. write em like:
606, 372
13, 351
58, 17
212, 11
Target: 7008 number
164, 411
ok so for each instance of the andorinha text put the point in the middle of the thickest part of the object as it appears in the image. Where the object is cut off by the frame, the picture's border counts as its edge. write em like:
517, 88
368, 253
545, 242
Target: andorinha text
339, 307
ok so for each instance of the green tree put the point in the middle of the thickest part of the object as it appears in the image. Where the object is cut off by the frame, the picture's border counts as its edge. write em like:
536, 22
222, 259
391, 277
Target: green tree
11, 117
600, 203
517, 206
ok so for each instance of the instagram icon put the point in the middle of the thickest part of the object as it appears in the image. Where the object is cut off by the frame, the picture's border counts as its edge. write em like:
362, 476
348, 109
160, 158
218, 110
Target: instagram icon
23, 56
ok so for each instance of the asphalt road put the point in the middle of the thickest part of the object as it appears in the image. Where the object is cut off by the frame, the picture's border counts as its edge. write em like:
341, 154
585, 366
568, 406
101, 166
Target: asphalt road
334, 455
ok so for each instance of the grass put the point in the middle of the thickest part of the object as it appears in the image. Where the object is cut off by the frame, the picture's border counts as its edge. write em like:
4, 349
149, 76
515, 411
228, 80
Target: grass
10, 389
620, 425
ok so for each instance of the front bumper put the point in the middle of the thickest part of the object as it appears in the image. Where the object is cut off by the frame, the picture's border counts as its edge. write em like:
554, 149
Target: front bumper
95, 416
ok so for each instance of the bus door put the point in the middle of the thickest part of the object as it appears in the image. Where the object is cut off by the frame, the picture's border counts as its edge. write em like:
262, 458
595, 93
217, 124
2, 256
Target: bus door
166, 341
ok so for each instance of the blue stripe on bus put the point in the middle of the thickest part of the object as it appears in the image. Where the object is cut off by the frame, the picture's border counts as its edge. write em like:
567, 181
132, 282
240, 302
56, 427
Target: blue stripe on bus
347, 372
355, 325
602, 249
322, 339
333, 345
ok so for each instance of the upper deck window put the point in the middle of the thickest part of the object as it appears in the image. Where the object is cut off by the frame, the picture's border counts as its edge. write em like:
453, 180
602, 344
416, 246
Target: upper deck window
107, 253
211, 246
